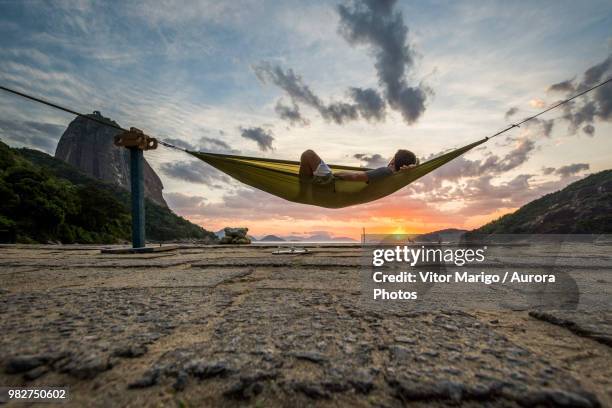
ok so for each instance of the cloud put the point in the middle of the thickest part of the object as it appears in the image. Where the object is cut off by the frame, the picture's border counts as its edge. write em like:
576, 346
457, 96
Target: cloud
185, 205
56, 83
214, 145
548, 170
545, 125
537, 103
257, 208
205, 144
461, 167
370, 104
563, 86
592, 106
372, 161
495, 165
511, 112
596, 74
39, 135
195, 172
263, 137
340, 112
572, 169
377, 25
293, 85
481, 188
291, 113
513, 159
603, 97
287, 81
578, 114
480, 196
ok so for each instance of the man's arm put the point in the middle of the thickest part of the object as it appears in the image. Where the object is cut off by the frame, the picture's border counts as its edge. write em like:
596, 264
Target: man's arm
408, 167
352, 175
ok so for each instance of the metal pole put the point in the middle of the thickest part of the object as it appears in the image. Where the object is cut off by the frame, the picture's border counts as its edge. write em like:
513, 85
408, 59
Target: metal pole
138, 205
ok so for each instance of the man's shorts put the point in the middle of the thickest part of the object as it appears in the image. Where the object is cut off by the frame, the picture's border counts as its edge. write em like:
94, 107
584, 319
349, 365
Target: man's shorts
323, 174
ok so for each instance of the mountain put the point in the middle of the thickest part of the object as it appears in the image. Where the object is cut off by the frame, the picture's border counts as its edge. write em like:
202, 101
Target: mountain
43, 199
583, 207
88, 146
343, 239
272, 238
325, 237
319, 237
446, 235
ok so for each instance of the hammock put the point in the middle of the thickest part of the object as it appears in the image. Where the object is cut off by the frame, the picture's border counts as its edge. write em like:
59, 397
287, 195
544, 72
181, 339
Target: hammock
281, 178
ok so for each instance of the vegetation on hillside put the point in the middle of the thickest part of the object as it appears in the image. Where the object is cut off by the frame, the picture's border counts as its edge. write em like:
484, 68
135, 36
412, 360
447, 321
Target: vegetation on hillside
43, 199
583, 207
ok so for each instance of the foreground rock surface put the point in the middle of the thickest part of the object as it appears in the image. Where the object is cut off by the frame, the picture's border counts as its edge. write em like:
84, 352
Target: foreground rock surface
225, 326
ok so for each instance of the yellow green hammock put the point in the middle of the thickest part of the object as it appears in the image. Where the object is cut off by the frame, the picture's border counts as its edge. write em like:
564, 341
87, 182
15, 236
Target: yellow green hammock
281, 178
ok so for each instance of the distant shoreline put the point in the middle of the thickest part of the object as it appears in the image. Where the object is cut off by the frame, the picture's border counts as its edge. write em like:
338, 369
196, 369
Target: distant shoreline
303, 242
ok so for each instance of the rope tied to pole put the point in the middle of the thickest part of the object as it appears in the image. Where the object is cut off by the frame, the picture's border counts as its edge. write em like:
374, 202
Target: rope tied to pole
171, 146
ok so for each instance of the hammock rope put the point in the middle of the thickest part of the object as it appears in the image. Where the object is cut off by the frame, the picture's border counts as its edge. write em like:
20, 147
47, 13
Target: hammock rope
281, 177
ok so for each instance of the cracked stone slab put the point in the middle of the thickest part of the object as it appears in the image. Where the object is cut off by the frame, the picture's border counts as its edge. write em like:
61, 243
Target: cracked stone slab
85, 332
263, 330
596, 325
342, 351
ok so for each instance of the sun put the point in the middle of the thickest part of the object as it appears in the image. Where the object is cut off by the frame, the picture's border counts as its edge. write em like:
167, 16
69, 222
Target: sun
399, 231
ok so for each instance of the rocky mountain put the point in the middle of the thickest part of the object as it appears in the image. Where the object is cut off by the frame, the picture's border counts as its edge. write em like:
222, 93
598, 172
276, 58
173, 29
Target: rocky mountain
88, 146
583, 207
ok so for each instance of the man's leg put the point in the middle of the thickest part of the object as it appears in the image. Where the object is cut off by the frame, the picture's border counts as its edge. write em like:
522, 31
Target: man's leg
309, 161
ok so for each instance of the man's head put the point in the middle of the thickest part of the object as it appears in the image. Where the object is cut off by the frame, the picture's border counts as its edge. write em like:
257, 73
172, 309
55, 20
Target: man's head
403, 158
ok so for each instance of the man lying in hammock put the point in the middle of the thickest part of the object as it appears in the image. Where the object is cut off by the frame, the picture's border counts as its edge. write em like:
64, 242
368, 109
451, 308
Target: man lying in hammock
313, 167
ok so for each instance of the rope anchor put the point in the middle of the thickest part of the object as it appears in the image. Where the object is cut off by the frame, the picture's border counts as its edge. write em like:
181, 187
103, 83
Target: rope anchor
135, 139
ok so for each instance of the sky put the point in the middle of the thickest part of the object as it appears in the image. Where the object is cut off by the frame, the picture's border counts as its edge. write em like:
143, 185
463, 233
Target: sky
352, 80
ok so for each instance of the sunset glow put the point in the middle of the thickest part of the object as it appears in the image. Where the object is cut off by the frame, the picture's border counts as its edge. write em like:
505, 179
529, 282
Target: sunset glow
277, 79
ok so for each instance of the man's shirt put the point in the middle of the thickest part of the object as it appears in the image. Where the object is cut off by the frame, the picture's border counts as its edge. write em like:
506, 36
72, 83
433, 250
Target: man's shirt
378, 174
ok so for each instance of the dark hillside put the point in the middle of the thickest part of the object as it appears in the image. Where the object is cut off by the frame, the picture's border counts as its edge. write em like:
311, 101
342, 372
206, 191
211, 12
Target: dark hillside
43, 199
583, 207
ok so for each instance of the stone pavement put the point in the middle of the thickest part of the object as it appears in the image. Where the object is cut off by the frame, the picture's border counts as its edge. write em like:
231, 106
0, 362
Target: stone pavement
233, 326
